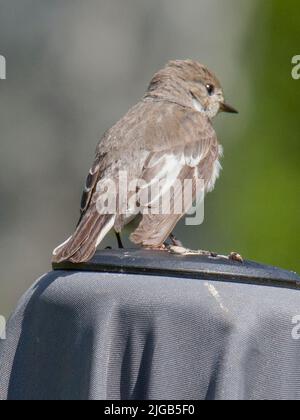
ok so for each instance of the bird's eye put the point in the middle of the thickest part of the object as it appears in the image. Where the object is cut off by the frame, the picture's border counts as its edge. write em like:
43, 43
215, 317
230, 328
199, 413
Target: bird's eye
210, 89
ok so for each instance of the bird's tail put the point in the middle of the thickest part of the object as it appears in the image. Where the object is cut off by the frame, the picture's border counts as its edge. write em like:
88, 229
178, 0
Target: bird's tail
82, 245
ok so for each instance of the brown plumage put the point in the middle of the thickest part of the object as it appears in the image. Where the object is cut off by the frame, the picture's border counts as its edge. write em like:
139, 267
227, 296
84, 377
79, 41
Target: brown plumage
168, 136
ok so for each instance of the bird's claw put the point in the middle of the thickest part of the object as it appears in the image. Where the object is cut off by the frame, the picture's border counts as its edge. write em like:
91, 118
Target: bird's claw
157, 248
234, 256
176, 242
180, 250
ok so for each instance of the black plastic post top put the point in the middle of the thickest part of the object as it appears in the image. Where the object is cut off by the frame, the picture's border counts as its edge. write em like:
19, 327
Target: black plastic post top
164, 264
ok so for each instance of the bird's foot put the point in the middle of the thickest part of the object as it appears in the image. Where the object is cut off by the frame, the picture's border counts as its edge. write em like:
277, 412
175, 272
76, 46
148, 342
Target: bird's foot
234, 256
176, 242
180, 250
157, 248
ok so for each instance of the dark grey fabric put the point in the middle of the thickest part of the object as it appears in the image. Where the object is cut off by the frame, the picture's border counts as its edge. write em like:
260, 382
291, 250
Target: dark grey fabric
78, 335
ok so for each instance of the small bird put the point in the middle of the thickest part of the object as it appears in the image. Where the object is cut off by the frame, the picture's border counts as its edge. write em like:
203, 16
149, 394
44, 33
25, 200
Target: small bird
168, 135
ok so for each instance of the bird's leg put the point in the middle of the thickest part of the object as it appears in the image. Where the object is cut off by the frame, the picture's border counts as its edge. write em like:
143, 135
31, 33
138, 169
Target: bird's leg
175, 241
177, 247
120, 244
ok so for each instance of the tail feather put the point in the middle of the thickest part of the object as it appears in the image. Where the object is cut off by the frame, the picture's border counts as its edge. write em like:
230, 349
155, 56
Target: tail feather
89, 247
83, 244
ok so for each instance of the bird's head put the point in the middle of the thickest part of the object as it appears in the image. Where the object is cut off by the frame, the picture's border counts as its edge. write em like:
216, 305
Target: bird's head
190, 83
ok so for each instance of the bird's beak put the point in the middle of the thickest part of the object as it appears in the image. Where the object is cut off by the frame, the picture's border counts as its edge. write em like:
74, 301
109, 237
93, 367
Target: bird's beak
227, 108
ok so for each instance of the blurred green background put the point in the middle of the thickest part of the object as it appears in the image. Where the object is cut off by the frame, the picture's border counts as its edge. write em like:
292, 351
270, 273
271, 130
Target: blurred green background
74, 68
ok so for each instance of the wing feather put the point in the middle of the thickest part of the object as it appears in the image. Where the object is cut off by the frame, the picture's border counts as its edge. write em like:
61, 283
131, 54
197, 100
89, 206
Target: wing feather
194, 154
154, 140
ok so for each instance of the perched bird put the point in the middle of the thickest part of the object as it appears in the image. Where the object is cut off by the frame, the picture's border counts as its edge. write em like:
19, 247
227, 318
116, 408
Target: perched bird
168, 135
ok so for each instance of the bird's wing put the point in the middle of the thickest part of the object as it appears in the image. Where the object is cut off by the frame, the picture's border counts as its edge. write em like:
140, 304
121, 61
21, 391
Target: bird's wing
187, 158
153, 137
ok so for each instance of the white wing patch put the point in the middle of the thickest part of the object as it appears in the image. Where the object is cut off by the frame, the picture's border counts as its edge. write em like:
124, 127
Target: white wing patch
165, 170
